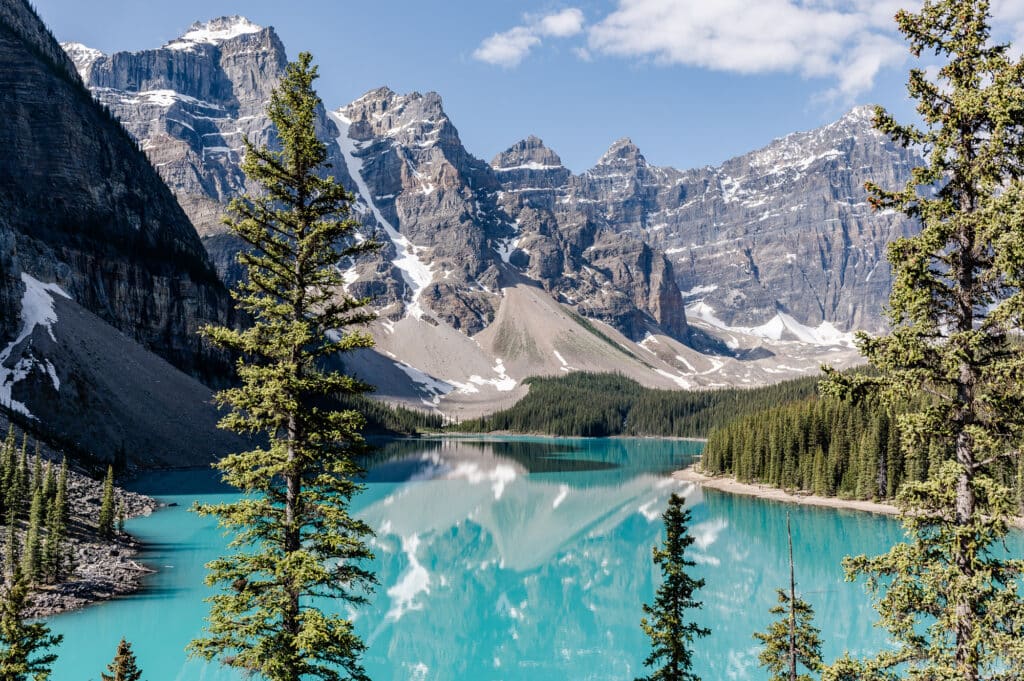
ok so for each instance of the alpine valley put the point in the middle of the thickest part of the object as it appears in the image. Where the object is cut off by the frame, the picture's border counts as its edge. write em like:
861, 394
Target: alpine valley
490, 272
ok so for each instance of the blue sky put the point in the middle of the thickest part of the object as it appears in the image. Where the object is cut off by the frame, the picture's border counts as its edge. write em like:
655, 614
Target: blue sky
692, 82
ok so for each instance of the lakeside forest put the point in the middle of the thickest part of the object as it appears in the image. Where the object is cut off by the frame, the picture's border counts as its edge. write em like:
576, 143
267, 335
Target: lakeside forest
935, 424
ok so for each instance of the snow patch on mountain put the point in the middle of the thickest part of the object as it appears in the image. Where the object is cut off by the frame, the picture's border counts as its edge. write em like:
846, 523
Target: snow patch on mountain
82, 55
214, 32
416, 273
36, 310
780, 327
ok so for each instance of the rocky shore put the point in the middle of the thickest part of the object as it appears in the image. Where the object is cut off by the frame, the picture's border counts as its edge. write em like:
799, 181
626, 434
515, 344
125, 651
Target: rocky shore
103, 568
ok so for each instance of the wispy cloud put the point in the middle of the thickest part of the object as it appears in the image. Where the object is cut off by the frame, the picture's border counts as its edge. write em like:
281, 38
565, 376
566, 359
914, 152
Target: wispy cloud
510, 47
845, 41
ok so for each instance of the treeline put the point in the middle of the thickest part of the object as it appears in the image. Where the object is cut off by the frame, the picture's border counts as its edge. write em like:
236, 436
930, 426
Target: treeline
387, 419
830, 447
599, 405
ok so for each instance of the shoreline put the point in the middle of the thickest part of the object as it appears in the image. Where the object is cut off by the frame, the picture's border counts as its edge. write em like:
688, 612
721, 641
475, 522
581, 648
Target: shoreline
730, 485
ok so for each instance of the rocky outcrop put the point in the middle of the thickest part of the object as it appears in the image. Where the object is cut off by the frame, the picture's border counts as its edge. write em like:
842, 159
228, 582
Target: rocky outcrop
786, 229
190, 105
579, 254
81, 206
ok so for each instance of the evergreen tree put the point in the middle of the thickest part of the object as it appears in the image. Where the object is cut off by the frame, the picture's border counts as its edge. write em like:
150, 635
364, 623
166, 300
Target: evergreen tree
949, 601
792, 640
9, 469
56, 532
31, 559
124, 666
106, 519
62, 491
120, 517
11, 556
294, 540
23, 645
672, 636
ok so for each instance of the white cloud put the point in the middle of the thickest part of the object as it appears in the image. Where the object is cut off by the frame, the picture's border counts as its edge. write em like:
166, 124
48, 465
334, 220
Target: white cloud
848, 41
564, 24
510, 47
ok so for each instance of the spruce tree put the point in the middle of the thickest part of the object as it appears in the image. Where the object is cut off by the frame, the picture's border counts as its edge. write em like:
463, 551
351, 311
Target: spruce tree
23, 644
672, 635
294, 539
792, 640
947, 597
11, 556
31, 559
124, 667
106, 520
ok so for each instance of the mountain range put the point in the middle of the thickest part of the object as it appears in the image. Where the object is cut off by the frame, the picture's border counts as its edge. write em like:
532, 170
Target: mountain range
740, 274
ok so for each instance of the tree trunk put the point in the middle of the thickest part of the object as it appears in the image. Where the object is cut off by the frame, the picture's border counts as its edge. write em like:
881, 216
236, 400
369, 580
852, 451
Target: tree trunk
792, 605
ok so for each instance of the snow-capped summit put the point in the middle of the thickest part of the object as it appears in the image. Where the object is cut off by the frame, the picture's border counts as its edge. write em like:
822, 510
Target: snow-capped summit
214, 32
82, 55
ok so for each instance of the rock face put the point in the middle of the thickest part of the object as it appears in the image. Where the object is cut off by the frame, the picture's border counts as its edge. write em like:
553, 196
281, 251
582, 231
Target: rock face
81, 206
190, 104
437, 211
783, 230
579, 254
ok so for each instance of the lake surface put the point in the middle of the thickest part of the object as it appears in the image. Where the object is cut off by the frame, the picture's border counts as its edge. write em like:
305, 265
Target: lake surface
512, 558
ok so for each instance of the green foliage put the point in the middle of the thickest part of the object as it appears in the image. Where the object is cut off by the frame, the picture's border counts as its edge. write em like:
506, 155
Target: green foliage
598, 405
294, 540
31, 563
391, 419
124, 667
23, 645
672, 636
824, 445
775, 657
950, 602
105, 526
792, 640
55, 561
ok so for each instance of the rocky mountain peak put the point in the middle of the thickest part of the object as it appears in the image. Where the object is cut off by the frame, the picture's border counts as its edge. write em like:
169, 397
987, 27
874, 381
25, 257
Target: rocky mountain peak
83, 56
411, 119
214, 32
622, 150
530, 154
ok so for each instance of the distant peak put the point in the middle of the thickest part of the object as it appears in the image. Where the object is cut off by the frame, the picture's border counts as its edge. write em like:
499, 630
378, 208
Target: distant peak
384, 101
214, 32
529, 153
83, 57
621, 149
863, 113
80, 49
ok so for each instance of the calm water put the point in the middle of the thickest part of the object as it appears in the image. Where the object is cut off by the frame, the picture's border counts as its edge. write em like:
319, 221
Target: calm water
510, 559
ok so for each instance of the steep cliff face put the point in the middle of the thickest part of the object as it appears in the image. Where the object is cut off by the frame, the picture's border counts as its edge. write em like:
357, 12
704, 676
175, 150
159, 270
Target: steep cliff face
190, 104
579, 253
104, 283
81, 206
785, 230
437, 210
432, 204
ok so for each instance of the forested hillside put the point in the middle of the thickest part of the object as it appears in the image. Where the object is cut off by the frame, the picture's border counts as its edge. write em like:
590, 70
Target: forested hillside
826, 446
598, 405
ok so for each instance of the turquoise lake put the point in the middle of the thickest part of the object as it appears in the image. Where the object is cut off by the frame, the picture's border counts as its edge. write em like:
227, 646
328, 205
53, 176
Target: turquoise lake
512, 558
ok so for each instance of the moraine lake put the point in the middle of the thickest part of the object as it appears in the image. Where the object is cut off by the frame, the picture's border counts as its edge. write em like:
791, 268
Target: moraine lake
511, 558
